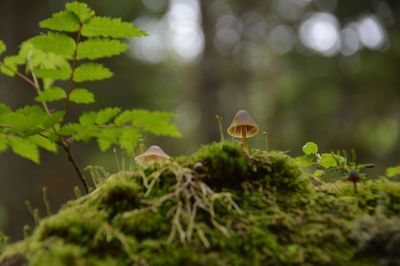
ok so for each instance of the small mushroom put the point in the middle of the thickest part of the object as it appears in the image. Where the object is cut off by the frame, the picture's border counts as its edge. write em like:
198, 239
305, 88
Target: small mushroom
243, 126
152, 154
354, 177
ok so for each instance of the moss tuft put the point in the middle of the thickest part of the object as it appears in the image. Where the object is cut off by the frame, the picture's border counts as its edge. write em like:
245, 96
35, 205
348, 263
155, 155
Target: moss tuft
224, 164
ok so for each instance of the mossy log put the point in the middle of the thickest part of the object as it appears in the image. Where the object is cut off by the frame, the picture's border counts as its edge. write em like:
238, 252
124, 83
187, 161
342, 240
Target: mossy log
219, 206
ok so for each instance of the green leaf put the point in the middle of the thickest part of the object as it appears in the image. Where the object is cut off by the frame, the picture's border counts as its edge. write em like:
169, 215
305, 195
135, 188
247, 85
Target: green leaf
44, 143
305, 160
11, 65
327, 160
3, 143
24, 148
106, 115
99, 48
157, 123
319, 173
129, 139
57, 43
88, 119
81, 10
81, 96
91, 71
2, 47
54, 74
27, 120
61, 21
53, 119
110, 27
51, 95
310, 148
107, 137
393, 171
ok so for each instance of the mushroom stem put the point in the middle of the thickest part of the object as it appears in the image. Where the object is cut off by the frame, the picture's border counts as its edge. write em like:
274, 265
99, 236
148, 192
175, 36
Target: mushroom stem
355, 187
221, 133
245, 141
266, 140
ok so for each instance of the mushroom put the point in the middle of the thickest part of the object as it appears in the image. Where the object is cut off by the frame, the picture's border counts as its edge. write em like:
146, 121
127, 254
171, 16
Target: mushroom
354, 177
243, 126
152, 154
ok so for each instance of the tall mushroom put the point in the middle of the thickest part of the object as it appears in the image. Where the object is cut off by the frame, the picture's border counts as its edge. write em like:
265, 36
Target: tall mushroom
152, 154
354, 177
243, 126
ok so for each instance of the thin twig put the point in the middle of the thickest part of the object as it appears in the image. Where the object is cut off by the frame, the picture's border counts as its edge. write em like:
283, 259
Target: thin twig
71, 158
22, 76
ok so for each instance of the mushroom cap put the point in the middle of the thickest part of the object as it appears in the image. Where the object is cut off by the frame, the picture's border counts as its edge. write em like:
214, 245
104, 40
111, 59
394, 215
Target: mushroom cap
354, 176
153, 153
243, 122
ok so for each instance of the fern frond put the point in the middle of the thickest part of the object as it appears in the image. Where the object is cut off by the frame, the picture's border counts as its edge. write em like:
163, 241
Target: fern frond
2, 47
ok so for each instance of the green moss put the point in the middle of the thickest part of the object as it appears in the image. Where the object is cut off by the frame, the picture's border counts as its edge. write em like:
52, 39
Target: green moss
223, 164
131, 218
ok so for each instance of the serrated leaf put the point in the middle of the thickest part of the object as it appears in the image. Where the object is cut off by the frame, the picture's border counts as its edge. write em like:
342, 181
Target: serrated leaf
27, 120
54, 74
24, 148
44, 143
11, 64
310, 148
51, 95
129, 139
57, 43
107, 137
3, 47
88, 119
327, 160
110, 27
53, 119
91, 71
106, 115
99, 48
81, 96
81, 10
61, 21
3, 143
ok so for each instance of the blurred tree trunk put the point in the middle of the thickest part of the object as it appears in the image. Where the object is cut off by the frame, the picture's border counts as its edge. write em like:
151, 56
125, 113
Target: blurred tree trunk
210, 77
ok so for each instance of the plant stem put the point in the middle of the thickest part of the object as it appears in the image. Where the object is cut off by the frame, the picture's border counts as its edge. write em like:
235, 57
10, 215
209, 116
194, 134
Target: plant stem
22, 76
221, 133
71, 158
71, 77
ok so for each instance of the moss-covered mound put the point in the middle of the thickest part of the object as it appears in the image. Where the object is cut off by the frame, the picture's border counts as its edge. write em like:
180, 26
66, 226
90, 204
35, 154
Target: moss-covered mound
220, 207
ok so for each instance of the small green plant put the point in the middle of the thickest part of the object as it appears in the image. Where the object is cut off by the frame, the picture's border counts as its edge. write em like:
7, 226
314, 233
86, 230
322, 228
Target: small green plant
339, 162
57, 65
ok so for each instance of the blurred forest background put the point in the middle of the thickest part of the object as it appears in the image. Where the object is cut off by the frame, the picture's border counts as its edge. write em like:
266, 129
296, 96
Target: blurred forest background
320, 70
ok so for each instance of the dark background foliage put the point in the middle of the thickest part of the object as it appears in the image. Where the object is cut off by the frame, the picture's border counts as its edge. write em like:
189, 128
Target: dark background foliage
321, 70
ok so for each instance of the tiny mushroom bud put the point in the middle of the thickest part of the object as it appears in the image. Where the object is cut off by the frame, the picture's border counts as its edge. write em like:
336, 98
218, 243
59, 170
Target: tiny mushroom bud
243, 126
354, 177
152, 154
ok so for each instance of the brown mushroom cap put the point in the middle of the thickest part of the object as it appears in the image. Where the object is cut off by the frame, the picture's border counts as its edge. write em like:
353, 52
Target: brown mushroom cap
153, 153
243, 122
